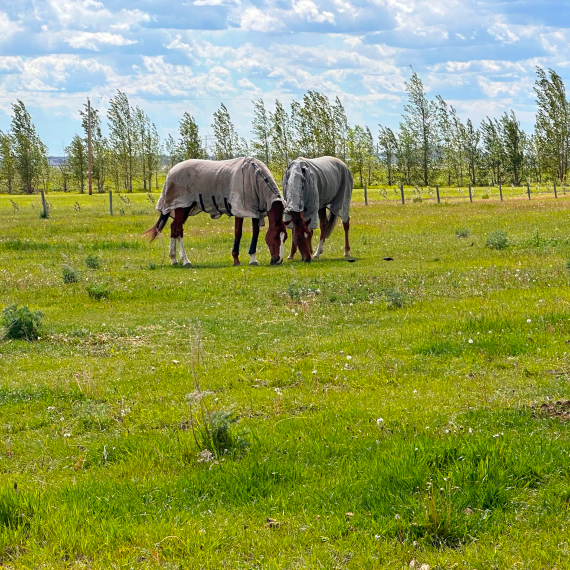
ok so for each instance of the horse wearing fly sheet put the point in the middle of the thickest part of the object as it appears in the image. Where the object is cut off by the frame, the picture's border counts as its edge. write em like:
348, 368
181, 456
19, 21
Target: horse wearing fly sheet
240, 187
310, 187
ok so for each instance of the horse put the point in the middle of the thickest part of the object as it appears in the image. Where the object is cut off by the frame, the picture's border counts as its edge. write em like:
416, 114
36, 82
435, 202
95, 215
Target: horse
310, 187
240, 187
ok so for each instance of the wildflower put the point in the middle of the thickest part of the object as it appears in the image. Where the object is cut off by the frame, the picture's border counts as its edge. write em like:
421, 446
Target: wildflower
349, 357
528, 320
379, 422
470, 341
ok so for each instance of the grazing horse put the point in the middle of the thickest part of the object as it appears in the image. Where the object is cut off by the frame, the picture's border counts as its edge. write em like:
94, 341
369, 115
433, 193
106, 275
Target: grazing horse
310, 187
240, 187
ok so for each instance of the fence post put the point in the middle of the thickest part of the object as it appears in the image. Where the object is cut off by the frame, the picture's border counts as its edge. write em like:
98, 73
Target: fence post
437, 192
555, 193
470, 194
365, 196
501, 192
111, 201
402, 193
528, 190
44, 205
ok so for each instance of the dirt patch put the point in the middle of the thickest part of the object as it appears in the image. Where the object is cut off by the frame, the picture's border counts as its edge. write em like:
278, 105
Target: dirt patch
559, 410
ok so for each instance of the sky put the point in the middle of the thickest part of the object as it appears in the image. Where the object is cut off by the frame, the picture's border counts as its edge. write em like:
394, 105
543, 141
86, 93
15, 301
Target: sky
192, 55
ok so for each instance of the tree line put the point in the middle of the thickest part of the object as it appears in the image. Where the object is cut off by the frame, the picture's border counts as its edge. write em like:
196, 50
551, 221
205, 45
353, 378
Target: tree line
432, 145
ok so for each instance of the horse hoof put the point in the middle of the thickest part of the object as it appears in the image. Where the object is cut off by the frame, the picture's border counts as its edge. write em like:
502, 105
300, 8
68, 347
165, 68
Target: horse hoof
290, 257
187, 265
253, 263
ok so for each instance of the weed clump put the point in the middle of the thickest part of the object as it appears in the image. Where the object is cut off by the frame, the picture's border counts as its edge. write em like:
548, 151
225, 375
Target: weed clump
16, 509
92, 262
98, 292
462, 233
151, 266
70, 275
497, 240
395, 299
20, 322
217, 433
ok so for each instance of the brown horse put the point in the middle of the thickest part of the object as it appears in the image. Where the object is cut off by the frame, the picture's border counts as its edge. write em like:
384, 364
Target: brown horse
310, 187
240, 187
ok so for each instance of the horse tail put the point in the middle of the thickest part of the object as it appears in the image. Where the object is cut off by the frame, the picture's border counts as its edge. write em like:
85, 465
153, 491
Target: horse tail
151, 233
329, 225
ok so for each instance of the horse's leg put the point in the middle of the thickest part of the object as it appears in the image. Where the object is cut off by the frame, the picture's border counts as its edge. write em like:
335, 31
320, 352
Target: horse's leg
253, 245
237, 238
175, 233
293, 250
322, 225
346, 226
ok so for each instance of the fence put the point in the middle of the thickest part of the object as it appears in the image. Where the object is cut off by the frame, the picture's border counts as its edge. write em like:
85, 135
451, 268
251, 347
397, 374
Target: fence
468, 193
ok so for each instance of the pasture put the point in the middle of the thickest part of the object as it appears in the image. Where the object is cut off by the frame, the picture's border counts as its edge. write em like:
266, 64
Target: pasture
389, 412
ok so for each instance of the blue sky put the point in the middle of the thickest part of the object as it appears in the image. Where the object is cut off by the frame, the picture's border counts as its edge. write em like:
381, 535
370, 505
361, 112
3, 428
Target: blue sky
190, 55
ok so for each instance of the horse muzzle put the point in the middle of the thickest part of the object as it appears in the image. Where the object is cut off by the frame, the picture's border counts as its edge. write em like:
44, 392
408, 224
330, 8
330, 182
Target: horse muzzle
276, 260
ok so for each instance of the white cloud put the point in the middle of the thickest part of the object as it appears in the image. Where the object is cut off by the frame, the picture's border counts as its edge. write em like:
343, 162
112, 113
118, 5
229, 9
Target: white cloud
91, 40
307, 10
255, 20
8, 28
503, 33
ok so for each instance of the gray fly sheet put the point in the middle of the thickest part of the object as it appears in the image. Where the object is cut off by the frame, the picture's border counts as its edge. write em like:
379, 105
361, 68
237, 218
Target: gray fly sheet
315, 183
241, 187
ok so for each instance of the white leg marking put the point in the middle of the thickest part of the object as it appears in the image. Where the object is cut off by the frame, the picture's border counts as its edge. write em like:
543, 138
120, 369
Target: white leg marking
172, 252
252, 259
282, 237
183, 257
320, 249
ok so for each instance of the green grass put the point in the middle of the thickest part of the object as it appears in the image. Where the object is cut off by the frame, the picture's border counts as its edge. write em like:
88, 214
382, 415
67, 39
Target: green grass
405, 393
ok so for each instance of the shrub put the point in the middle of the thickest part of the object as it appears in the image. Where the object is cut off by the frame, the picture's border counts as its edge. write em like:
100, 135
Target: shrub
152, 266
462, 233
98, 292
70, 275
485, 196
217, 433
497, 240
92, 262
396, 299
20, 322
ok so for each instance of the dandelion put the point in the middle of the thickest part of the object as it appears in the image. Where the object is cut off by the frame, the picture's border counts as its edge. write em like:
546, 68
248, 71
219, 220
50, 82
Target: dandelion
66, 435
528, 321
349, 357
470, 341
379, 421
470, 430
314, 371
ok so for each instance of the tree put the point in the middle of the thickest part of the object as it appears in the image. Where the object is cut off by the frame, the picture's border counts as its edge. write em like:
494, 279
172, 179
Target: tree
77, 161
493, 151
281, 138
261, 132
472, 152
406, 154
8, 170
227, 141
358, 151
514, 142
421, 121
64, 173
99, 146
388, 146
29, 151
340, 126
552, 123
122, 137
172, 151
190, 142
315, 125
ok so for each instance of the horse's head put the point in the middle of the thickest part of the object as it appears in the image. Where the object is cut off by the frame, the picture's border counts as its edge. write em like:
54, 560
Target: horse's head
302, 235
276, 233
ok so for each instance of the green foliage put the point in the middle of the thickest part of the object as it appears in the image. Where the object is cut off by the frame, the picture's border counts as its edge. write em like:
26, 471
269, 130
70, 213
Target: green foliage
21, 323
217, 432
151, 265
462, 232
98, 291
395, 299
92, 261
16, 508
70, 275
497, 240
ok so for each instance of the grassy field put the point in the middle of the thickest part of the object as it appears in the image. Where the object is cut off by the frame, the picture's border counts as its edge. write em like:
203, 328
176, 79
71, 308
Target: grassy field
387, 411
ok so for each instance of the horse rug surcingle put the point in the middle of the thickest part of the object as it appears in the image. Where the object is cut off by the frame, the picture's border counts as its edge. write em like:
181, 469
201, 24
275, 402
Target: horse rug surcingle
315, 183
241, 187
